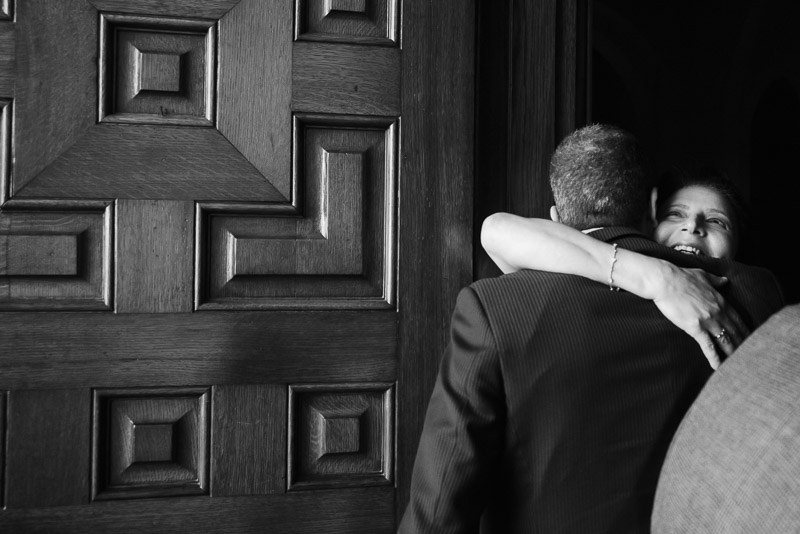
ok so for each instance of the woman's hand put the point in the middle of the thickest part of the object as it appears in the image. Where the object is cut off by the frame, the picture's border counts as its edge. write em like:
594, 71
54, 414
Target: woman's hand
691, 302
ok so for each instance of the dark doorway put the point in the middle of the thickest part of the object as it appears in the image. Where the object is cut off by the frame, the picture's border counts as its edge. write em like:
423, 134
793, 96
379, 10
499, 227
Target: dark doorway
712, 83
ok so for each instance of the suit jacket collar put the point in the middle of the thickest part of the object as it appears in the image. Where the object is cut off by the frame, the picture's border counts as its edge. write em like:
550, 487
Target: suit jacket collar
611, 233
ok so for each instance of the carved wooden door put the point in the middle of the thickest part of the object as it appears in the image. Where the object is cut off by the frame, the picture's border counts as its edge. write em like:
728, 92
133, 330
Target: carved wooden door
231, 234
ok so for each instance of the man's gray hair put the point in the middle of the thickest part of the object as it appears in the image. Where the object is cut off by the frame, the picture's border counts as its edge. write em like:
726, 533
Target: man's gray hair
600, 176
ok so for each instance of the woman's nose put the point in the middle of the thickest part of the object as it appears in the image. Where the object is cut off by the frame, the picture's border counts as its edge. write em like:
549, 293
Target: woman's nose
694, 225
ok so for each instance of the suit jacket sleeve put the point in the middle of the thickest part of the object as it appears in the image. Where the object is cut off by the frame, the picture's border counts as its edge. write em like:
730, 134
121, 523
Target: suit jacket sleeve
462, 437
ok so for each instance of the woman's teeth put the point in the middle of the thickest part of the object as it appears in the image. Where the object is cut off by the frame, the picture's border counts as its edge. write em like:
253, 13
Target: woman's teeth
688, 250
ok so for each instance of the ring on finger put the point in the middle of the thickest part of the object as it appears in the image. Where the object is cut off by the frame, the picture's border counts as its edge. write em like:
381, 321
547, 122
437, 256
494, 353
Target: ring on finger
721, 337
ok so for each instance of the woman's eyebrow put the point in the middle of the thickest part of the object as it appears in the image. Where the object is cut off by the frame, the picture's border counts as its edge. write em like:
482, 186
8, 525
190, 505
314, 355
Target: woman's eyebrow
719, 212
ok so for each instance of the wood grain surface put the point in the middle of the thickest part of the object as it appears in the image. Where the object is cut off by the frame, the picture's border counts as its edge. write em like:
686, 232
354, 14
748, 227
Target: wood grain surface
48, 474
7, 56
148, 232
435, 191
350, 511
254, 101
55, 100
249, 452
345, 79
114, 350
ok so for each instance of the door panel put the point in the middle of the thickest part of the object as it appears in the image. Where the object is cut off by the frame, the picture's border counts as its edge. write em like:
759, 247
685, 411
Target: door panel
47, 465
334, 247
156, 74
344, 79
356, 511
258, 469
150, 443
147, 232
78, 350
205, 324
58, 259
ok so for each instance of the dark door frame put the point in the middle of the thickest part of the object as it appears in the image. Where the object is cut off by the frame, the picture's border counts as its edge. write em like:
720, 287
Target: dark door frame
532, 88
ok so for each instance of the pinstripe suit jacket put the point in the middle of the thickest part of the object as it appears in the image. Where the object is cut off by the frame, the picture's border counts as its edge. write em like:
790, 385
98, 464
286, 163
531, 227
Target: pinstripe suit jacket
556, 401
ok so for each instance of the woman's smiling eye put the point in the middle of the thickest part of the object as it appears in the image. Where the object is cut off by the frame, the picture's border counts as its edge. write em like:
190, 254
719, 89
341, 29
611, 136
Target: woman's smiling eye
673, 214
718, 222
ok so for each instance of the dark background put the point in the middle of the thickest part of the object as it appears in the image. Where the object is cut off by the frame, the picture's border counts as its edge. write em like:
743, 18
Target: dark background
715, 83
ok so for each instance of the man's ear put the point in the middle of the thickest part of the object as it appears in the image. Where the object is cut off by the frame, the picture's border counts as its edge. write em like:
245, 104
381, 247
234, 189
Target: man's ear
554, 214
653, 199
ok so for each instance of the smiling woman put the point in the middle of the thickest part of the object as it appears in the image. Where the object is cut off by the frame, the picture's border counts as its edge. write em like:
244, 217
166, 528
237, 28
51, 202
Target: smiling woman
700, 212
695, 212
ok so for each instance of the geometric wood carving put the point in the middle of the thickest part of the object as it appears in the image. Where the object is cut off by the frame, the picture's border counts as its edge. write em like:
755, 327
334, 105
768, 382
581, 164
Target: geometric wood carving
151, 443
336, 250
39, 255
156, 71
163, 69
59, 259
340, 435
356, 21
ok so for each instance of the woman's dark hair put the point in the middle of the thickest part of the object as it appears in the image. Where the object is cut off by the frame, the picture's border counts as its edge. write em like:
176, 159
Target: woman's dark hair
712, 178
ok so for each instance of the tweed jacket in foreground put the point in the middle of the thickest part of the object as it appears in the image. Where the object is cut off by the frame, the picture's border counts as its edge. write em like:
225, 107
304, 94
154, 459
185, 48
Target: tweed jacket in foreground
734, 464
557, 398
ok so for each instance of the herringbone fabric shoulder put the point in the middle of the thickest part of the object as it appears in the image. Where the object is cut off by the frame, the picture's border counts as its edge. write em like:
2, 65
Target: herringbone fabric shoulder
734, 465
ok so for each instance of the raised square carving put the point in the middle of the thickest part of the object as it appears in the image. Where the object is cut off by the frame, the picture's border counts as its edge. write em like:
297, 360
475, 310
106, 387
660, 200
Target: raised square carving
156, 74
356, 21
155, 442
346, 6
160, 72
336, 250
155, 70
151, 443
340, 435
32, 255
57, 257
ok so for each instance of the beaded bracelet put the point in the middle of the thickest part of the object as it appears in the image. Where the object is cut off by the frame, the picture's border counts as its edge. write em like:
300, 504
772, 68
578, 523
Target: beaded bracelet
611, 272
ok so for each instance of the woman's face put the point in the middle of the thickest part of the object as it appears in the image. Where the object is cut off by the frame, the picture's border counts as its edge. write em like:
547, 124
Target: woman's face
698, 220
